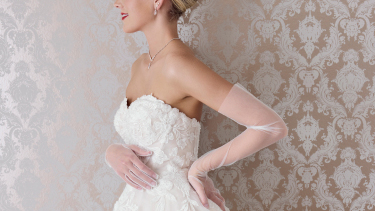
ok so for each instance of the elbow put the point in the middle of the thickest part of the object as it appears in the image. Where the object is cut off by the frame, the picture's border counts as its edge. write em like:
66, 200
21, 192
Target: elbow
285, 132
282, 132
279, 130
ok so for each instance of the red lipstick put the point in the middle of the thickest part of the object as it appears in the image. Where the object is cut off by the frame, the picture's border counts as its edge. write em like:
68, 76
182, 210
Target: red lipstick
124, 15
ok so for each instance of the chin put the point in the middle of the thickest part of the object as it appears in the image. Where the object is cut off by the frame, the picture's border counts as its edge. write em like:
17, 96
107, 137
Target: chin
129, 30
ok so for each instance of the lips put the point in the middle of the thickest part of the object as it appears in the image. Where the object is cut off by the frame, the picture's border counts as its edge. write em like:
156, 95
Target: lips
124, 15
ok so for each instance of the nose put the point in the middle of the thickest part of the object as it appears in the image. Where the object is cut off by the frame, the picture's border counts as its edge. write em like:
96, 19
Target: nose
117, 4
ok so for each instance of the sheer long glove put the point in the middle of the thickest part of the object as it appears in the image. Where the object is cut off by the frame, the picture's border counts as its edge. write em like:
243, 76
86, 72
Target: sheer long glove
127, 162
212, 193
245, 109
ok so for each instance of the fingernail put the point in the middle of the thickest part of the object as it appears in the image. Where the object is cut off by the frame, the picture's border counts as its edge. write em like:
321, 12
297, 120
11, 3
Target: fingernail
156, 176
206, 205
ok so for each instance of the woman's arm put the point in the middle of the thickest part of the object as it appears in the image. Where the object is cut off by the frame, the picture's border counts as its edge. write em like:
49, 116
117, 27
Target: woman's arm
264, 126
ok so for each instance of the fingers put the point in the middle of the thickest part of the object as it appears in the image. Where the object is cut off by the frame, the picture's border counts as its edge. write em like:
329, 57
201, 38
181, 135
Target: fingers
134, 178
199, 188
217, 201
147, 153
132, 183
145, 169
144, 179
222, 201
217, 193
131, 169
129, 181
220, 197
203, 197
215, 196
139, 151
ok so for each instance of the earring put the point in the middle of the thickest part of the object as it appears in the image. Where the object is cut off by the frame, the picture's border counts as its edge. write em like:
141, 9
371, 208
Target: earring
155, 12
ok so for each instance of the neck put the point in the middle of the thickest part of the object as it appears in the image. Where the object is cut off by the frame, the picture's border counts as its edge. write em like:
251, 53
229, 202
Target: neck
159, 33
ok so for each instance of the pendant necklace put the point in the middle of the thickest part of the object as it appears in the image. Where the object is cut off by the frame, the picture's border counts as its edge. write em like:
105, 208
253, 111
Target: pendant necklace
152, 59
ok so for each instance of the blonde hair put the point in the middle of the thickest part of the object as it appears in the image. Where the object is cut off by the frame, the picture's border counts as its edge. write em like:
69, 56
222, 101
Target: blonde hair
179, 7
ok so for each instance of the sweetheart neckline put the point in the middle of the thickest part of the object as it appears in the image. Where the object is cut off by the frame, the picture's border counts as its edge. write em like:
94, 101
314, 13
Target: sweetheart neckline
159, 100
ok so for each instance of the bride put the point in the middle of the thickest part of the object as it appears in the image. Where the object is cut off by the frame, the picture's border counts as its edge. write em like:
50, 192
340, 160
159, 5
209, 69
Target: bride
159, 119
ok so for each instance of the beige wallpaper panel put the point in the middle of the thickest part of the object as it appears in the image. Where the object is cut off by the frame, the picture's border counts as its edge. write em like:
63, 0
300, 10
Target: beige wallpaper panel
65, 65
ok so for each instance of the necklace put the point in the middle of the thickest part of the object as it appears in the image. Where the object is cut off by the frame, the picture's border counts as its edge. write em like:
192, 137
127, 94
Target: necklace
152, 59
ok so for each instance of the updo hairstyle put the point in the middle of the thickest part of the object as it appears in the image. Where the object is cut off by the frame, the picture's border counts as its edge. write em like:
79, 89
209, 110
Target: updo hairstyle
179, 7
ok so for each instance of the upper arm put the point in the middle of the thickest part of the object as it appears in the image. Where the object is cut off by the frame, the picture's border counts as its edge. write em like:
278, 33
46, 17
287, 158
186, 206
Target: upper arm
192, 77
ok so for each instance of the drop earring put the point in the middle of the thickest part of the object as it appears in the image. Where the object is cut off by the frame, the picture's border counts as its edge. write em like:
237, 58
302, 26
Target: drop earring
155, 12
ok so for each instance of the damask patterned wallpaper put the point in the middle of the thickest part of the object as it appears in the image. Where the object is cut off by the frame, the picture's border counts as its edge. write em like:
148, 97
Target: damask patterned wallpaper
65, 65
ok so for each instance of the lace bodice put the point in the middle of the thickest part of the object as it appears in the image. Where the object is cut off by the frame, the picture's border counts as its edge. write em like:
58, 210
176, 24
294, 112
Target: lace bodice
154, 125
174, 138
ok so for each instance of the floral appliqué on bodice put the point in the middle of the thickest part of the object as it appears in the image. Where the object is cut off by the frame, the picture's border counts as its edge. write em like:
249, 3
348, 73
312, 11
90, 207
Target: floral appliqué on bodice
156, 126
174, 138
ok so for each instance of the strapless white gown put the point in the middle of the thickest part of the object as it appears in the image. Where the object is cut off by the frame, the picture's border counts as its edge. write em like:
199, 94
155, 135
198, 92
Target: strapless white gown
174, 138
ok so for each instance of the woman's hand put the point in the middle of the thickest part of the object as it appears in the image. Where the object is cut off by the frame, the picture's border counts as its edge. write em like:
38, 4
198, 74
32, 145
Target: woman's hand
205, 188
125, 161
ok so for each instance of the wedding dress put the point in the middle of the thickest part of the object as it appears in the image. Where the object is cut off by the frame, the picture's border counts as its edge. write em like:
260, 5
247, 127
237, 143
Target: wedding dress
174, 138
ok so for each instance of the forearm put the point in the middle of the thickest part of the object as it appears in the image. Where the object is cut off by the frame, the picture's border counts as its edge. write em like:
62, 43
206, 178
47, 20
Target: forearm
264, 127
253, 141
245, 144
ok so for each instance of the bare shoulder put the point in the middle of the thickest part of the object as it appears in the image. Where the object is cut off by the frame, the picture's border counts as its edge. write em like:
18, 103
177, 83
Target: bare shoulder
191, 76
136, 63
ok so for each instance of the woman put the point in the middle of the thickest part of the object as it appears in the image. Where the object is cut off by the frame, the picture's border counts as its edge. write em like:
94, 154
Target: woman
159, 119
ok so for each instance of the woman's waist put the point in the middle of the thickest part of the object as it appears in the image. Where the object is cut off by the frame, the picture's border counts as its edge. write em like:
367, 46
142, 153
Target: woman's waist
169, 154
166, 164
